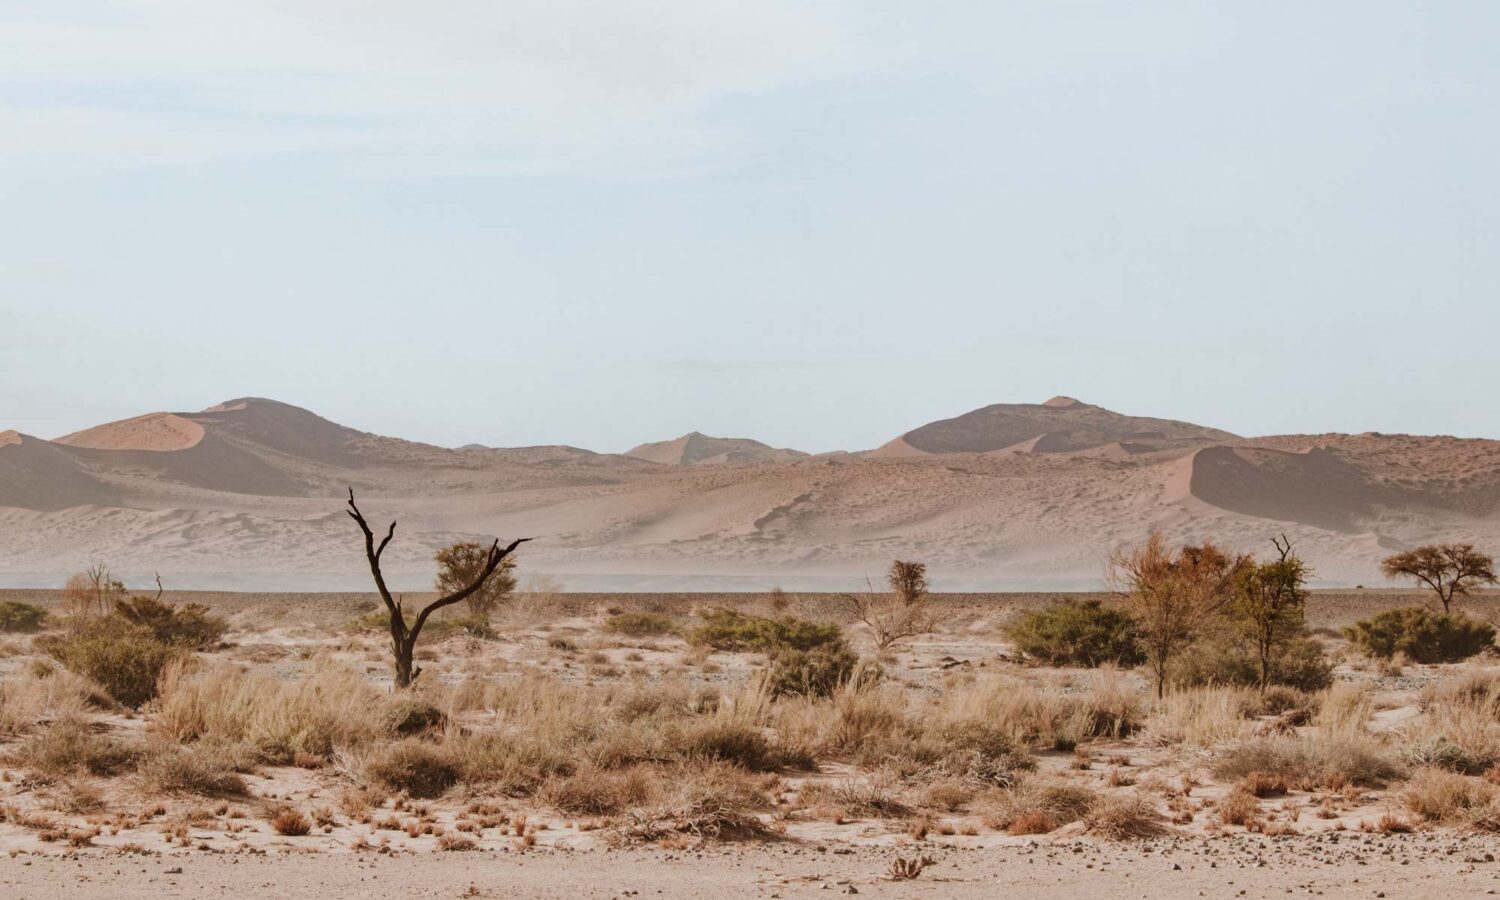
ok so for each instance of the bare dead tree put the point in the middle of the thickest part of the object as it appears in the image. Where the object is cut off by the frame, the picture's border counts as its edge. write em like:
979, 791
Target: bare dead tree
404, 636
899, 615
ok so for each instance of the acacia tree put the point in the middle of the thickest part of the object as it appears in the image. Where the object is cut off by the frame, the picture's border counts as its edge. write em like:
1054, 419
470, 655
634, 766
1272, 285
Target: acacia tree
1171, 593
404, 636
459, 564
1451, 570
902, 613
1269, 604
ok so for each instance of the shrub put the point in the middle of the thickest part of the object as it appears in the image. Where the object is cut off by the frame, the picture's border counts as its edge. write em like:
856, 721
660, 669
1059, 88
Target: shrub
1433, 795
410, 715
1125, 818
1037, 805
70, 747
18, 616
1422, 635
288, 821
126, 660
1300, 663
1327, 759
639, 624
180, 625
420, 769
727, 629
818, 672
174, 769
1074, 633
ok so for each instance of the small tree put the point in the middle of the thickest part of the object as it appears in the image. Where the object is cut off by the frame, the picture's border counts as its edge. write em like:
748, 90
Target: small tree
92, 592
1451, 570
461, 563
404, 636
1269, 605
902, 613
1170, 594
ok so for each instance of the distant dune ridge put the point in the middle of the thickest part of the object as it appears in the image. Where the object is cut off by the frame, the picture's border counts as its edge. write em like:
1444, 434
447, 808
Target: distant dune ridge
1010, 496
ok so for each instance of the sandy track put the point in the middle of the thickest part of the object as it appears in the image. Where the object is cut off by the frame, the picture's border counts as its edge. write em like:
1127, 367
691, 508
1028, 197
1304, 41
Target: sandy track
1407, 866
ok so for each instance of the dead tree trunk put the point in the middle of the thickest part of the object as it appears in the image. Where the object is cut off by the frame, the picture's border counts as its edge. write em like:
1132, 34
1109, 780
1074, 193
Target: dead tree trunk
403, 636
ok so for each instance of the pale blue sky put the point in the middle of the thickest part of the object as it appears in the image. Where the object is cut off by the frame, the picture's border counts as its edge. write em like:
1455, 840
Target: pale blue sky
818, 224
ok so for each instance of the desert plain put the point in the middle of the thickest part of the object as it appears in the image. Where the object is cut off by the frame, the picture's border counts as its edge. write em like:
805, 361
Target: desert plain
593, 745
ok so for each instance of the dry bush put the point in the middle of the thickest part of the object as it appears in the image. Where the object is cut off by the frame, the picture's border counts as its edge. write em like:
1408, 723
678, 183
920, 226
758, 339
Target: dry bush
289, 821
1238, 807
592, 791
1447, 798
1322, 759
707, 802
69, 747
328, 707
1035, 801
167, 768
1202, 717
1130, 817
28, 699
1460, 725
415, 766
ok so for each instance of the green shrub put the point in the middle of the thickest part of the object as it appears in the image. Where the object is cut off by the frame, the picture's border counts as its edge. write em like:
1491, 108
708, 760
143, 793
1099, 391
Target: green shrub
1422, 635
18, 616
124, 659
639, 624
817, 672
178, 624
1227, 660
1077, 633
727, 629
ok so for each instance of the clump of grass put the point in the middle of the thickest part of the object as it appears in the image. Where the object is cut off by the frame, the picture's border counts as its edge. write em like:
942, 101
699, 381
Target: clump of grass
1447, 798
1326, 760
167, 768
289, 821
69, 747
1131, 817
1238, 807
327, 708
1037, 802
415, 766
712, 802
1202, 717
28, 699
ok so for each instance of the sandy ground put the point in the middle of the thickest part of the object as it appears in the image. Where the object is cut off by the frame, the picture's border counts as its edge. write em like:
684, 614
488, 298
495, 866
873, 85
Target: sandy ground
1355, 866
196, 845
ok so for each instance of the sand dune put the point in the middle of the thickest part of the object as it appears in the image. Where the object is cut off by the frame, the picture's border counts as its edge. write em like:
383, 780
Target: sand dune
256, 497
696, 449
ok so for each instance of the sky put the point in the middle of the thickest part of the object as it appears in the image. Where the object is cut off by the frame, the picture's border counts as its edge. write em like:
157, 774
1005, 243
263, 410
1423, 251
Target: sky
818, 224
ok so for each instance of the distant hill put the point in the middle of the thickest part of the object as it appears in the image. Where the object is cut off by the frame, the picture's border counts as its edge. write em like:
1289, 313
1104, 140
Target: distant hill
1061, 424
696, 449
249, 493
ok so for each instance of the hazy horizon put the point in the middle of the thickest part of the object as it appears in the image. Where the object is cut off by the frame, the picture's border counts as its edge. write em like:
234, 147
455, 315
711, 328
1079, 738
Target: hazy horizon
817, 225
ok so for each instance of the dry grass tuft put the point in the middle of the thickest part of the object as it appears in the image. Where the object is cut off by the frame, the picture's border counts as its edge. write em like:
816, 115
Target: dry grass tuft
1130, 817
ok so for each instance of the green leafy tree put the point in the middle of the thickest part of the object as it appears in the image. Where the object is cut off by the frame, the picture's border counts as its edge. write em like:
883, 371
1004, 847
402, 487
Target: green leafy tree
462, 563
1269, 605
1451, 570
